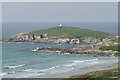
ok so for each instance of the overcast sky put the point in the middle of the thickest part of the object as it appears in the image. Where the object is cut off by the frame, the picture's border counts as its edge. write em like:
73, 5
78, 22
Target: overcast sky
60, 0
60, 12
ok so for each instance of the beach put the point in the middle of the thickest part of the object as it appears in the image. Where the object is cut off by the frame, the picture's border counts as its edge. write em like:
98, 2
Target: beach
48, 64
81, 71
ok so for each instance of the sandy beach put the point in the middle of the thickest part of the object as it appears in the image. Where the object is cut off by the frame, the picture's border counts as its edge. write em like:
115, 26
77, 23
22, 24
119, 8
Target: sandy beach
96, 67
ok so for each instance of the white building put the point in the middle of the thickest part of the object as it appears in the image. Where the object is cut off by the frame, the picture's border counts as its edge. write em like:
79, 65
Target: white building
60, 25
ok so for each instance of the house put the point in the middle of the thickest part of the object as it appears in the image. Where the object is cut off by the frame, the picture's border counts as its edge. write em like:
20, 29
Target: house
60, 25
43, 36
74, 41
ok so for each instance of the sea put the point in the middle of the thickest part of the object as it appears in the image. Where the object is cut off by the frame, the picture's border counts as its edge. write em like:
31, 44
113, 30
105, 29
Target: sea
20, 61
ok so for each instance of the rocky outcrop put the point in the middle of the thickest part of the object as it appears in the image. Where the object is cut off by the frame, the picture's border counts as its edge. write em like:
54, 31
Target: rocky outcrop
87, 49
45, 38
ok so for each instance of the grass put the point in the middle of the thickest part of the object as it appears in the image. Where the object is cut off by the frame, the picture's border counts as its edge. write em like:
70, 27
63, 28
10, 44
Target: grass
108, 74
70, 32
112, 47
114, 39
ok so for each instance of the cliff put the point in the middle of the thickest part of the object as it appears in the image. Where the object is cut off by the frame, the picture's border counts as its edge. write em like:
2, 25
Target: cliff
63, 34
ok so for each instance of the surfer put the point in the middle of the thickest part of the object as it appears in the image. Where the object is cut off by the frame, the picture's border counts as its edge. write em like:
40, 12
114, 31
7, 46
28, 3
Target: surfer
73, 67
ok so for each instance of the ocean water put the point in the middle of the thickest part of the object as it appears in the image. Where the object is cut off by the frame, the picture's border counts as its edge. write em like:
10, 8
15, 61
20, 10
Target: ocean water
19, 61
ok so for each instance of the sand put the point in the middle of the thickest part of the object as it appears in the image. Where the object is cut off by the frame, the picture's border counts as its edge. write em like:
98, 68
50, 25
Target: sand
80, 71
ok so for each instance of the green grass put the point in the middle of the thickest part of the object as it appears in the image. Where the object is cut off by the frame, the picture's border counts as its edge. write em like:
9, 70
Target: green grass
72, 32
112, 47
114, 39
105, 73
109, 74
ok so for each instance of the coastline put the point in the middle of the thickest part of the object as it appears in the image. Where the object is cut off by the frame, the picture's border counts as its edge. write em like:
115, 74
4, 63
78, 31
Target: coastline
61, 72
81, 71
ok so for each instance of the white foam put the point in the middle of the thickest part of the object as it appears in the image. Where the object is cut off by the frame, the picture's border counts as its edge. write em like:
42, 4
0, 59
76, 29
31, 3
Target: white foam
78, 61
41, 74
69, 65
36, 70
13, 66
54, 67
66, 53
57, 51
81, 61
27, 70
95, 62
11, 72
26, 76
34, 50
37, 48
49, 68
94, 59
1, 74
40, 71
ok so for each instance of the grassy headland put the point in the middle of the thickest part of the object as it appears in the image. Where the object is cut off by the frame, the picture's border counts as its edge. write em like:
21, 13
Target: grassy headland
112, 47
70, 32
107, 74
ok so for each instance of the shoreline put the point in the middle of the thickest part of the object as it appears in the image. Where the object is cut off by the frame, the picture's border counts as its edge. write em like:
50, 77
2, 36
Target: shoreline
75, 71
82, 49
80, 71
75, 50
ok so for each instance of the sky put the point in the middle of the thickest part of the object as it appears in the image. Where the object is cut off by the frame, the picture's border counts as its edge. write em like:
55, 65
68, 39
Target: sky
31, 16
59, 12
60, 0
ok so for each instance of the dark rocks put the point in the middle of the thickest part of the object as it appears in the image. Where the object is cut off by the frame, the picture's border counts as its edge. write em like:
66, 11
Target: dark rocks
73, 50
44, 38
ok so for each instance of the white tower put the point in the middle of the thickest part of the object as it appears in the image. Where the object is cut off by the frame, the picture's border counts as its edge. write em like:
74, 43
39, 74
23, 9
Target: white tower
60, 25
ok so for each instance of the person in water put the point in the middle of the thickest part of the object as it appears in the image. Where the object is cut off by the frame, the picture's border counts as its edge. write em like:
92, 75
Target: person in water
73, 67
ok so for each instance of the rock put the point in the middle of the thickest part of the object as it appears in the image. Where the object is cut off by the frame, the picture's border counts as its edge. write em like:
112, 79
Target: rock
44, 38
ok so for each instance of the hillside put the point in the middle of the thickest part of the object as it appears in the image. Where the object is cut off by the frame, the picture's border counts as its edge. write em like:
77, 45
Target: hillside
112, 47
72, 32
105, 74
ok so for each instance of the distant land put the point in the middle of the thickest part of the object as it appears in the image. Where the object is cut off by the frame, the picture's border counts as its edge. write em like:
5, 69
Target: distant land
95, 42
62, 34
71, 32
109, 27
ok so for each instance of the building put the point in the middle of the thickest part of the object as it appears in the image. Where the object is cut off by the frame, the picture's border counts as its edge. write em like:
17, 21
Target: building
60, 25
